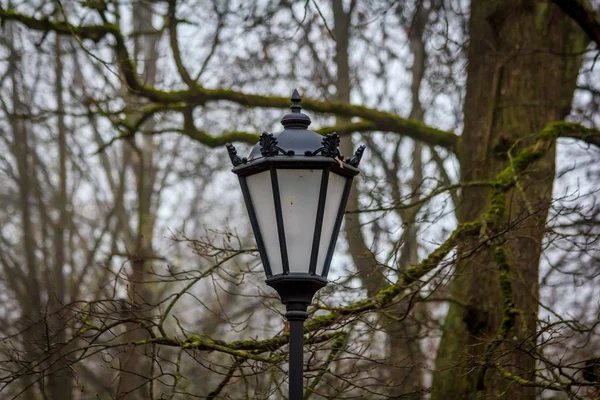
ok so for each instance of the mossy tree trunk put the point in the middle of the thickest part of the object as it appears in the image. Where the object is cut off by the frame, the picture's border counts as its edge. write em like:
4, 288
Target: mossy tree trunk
522, 69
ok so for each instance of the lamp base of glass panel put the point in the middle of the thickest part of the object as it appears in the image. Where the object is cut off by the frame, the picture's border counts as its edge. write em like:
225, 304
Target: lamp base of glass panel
296, 292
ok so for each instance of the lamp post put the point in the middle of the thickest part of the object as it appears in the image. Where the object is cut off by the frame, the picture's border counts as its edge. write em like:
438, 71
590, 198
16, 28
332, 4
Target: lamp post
295, 185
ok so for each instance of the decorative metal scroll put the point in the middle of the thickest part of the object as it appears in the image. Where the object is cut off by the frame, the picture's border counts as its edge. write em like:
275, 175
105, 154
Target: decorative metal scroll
269, 148
355, 160
330, 144
235, 159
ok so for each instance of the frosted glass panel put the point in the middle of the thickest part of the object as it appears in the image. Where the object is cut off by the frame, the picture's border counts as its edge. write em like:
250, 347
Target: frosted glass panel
261, 193
299, 193
335, 189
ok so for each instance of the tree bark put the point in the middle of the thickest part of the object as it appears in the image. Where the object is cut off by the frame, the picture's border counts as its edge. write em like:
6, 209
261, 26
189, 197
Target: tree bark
60, 381
135, 380
403, 347
32, 325
521, 76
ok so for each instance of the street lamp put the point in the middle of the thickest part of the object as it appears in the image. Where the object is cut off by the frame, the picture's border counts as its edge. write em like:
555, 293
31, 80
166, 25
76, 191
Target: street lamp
295, 185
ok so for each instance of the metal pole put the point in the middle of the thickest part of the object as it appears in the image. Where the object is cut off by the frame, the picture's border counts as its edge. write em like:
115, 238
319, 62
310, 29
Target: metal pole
296, 317
296, 360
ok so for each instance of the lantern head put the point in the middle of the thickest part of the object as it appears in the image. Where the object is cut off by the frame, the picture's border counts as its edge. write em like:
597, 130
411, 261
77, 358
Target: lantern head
295, 185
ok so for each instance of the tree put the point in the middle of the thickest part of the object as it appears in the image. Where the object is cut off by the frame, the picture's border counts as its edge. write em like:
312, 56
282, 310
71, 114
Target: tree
508, 98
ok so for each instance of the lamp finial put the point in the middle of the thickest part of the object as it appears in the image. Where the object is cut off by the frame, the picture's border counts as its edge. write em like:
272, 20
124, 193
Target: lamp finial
295, 119
296, 99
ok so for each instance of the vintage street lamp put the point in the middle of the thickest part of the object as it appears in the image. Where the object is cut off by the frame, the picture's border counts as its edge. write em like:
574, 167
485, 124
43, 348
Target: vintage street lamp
295, 185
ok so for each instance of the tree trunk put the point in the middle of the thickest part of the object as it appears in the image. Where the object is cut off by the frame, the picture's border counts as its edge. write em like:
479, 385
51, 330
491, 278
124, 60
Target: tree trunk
32, 325
60, 382
404, 349
135, 380
520, 78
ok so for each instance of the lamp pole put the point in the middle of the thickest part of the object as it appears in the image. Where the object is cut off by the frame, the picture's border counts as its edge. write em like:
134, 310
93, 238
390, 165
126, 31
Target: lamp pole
296, 319
296, 292
297, 182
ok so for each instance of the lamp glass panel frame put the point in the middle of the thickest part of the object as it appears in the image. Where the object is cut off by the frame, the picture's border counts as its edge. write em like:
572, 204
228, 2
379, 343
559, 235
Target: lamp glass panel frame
284, 231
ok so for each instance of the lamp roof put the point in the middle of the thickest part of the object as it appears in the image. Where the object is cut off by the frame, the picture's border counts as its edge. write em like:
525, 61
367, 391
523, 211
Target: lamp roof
299, 144
295, 137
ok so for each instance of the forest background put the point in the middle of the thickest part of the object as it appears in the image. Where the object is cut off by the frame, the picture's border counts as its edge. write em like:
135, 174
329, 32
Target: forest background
468, 262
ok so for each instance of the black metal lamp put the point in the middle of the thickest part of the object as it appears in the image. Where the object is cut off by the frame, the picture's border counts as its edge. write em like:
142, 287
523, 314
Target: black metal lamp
295, 185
